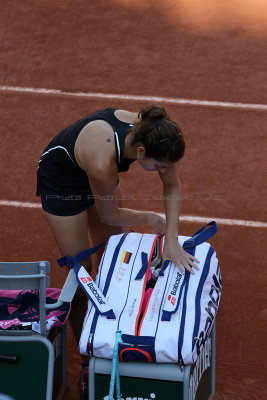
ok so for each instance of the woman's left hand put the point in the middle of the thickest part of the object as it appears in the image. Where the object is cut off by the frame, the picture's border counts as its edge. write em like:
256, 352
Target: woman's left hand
174, 252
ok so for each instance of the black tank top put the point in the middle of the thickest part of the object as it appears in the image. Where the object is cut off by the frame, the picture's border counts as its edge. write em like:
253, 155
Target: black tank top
58, 168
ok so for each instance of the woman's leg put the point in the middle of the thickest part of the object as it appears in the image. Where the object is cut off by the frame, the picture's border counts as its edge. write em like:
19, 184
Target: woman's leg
71, 235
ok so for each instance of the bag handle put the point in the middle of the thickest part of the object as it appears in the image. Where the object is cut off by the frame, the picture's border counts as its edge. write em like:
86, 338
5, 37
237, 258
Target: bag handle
201, 236
86, 253
86, 281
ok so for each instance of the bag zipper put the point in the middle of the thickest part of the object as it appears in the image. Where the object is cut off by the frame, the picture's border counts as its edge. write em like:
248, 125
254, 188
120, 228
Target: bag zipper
156, 248
138, 323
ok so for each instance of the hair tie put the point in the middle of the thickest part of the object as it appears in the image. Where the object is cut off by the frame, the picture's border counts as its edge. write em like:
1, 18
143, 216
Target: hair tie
163, 140
177, 140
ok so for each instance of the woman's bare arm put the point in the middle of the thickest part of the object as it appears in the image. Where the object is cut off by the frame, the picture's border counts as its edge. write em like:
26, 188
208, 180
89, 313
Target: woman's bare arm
172, 202
95, 153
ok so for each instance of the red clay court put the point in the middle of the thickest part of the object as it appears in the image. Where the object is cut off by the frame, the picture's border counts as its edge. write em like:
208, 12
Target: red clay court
205, 62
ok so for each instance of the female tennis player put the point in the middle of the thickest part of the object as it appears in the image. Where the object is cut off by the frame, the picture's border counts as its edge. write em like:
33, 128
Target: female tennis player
78, 180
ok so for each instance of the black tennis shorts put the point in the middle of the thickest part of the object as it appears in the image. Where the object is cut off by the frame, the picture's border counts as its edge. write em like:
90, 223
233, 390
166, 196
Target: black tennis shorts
63, 194
58, 199
65, 204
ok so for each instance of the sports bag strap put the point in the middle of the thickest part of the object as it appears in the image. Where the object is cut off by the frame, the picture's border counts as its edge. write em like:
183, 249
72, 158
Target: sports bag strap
87, 283
201, 236
115, 375
71, 261
94, 293
86, 253
141, 273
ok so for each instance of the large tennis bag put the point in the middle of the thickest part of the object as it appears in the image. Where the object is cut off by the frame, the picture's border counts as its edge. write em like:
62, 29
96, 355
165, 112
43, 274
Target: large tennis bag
164, 319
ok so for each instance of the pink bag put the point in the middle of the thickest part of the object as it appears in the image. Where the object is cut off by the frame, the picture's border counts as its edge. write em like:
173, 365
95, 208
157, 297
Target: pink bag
20, 309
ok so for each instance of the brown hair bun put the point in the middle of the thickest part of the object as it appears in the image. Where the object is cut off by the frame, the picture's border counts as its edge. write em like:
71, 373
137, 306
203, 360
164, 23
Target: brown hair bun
152, 113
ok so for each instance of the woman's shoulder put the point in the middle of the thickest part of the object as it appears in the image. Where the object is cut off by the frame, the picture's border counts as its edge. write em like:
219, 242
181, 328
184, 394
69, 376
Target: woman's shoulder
126, 116
95, 145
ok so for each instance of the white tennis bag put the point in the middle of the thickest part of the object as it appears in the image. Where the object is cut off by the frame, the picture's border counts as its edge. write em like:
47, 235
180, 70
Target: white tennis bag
164, 319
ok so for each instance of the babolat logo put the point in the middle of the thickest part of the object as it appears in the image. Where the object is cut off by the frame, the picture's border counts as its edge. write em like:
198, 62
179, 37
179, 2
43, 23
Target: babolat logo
172, 299
95, 293
176, 284
211, 309
86, 279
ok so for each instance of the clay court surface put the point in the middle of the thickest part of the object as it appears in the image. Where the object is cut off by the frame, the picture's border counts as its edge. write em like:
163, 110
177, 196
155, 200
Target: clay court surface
213, 51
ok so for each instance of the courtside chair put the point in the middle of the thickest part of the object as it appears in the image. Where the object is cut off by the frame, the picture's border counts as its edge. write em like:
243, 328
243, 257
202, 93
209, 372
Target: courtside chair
149, 381
33, 365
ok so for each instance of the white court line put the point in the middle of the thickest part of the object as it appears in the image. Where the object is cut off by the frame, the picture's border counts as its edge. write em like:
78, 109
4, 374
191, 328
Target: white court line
186, 218
171, 100
224, 221
22, 204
